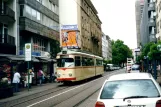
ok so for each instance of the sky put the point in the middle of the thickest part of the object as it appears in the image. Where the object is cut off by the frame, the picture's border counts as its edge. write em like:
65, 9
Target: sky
118, 19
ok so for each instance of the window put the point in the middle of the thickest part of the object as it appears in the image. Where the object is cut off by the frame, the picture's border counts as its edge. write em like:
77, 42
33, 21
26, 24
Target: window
65, 62
99, 62
77, 61
84, 61
90, 62
126, 88
33, 12
21, 10
28, 9
160, 24
40, 1
38, 16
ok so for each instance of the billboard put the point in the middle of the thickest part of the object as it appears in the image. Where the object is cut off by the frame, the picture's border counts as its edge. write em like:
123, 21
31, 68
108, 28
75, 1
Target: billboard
69, 36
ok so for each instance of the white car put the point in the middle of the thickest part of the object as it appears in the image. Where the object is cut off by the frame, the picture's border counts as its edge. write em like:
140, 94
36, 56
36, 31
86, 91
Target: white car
130, 90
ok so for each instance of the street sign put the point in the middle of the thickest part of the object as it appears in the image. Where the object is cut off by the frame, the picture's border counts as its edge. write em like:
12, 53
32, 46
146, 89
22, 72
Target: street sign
28, 52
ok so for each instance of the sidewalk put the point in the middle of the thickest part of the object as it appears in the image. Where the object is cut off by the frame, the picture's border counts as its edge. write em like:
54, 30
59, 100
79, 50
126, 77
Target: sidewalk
159, 78
34, 89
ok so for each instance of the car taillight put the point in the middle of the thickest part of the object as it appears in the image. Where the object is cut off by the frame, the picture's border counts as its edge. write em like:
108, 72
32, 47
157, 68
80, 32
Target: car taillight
99, 104
158, 104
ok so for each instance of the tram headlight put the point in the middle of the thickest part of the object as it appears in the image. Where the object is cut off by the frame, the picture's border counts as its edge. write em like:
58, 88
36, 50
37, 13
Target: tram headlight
70, 74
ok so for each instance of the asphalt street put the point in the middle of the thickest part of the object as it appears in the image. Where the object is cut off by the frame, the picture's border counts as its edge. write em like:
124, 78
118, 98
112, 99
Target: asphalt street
80, 94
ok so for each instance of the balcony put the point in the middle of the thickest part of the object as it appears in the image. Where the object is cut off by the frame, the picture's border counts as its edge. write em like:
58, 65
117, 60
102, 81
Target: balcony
7, 15
41, 8
152, 38
37, 28
152, 22
7, 39
151, 6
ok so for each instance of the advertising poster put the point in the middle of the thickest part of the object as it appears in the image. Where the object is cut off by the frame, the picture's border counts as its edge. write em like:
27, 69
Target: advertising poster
69, 36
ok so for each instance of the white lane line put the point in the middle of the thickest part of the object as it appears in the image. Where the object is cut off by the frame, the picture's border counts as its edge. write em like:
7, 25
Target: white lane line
66, 91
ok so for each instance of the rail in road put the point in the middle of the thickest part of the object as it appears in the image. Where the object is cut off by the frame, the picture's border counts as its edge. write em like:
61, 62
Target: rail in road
76, 95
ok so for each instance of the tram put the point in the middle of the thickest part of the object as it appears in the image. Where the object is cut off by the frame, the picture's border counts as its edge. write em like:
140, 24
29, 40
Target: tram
77, 65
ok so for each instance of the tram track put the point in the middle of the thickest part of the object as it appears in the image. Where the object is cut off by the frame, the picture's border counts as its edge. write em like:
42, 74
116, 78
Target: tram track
34, 96
62, 93
90, 91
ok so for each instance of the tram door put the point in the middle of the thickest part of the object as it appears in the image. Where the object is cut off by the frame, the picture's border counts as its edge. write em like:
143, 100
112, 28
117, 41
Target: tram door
78, 66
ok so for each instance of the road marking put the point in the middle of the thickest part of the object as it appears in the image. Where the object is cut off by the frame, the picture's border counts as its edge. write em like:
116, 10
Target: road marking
66, 91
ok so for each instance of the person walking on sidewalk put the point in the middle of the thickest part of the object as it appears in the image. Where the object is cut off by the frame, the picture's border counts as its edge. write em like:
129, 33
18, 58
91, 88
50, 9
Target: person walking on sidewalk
30, 78
16, 81
41, 76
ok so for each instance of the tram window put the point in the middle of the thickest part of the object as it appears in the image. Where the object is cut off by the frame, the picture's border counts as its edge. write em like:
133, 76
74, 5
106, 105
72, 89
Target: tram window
90, 62
65, 62
77, 61
99, 62
84, 61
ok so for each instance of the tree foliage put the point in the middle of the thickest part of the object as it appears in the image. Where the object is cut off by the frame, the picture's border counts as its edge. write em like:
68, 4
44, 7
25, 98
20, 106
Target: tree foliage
150, 50
146, 49
54, 48
120, 52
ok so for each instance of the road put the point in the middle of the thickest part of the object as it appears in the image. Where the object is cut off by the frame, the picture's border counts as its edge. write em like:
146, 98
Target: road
81, 94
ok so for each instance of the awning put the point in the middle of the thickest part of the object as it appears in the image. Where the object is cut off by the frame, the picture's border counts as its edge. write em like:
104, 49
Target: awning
34, 59
11, 58
45, 59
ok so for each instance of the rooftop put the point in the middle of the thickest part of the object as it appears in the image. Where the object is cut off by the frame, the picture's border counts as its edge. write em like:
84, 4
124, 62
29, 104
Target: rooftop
127, 76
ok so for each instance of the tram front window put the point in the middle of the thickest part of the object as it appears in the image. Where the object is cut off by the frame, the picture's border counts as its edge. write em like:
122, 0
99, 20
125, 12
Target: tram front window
65, 62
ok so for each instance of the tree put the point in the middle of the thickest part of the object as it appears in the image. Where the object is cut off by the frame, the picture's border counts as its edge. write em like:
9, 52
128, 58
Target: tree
54, 48
146, 49
120, 52
154, 53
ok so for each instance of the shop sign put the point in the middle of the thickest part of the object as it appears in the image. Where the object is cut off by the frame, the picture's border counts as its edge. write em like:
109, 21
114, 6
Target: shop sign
28, 54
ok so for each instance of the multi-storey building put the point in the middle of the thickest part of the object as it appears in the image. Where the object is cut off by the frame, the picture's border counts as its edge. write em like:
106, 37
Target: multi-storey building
104, 46
82, 16
38, 23
109, 51
8, 27
158, 19
148, 24
139, 5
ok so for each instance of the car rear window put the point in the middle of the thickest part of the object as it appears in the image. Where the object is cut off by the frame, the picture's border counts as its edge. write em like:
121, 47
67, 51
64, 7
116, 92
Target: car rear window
135, 67
126, 88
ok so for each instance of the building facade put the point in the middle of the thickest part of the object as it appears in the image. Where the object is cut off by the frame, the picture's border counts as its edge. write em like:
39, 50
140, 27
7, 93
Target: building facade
109, 52
104, 46
83, 15
139, 5
38, 25
158, 19
28, 21
8, 27
148, 23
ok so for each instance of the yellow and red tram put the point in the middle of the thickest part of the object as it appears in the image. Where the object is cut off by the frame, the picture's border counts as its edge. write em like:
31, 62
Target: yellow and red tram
76, 66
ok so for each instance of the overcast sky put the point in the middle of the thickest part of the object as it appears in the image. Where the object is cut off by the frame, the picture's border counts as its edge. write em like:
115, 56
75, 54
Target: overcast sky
118, 19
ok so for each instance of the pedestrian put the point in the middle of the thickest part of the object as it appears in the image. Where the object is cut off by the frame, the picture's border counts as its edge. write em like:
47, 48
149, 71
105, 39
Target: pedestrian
33, 75
16, 81
29, 78
41, 76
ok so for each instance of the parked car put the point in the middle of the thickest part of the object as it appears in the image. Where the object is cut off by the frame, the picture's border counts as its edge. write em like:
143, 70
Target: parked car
111, 67
135, 68
130, 90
